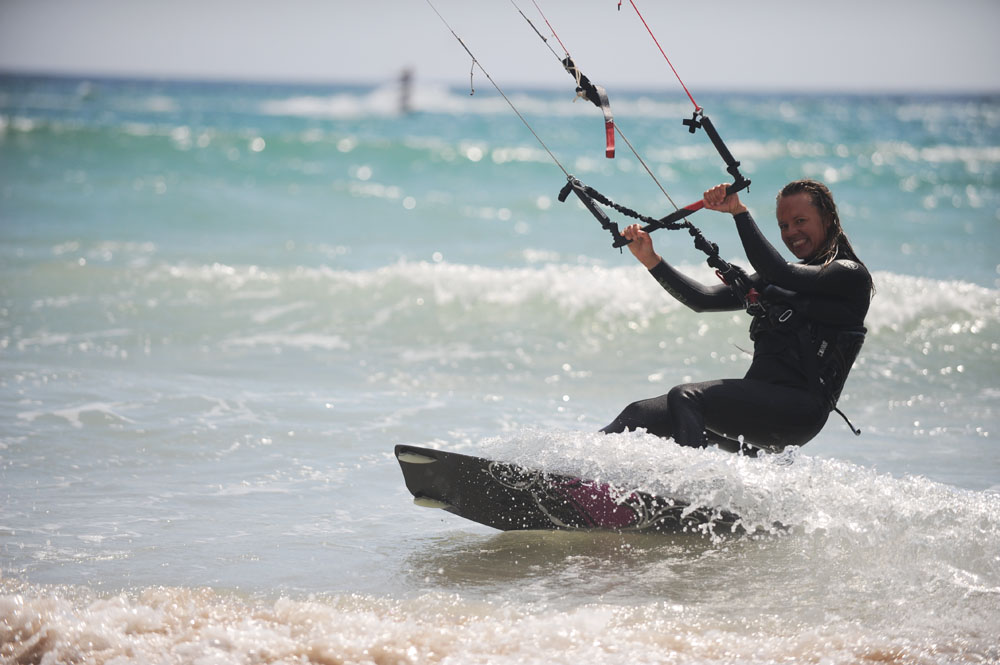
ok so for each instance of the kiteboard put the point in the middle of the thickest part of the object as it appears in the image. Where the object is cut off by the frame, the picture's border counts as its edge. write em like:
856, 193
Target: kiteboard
511, 497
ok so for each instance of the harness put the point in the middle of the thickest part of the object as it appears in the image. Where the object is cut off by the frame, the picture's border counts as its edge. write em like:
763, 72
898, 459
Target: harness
827, 352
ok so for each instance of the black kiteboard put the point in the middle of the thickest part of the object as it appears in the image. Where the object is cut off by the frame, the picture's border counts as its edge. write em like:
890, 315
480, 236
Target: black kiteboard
510, 497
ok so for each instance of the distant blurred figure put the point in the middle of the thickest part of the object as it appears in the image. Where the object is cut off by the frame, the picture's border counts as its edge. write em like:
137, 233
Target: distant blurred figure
405, 83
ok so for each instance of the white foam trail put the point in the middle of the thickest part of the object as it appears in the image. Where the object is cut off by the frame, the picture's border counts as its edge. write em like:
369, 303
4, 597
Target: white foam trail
171, 625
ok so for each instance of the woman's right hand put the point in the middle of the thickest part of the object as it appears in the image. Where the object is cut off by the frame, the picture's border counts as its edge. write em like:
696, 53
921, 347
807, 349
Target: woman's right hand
717, 198
641, 246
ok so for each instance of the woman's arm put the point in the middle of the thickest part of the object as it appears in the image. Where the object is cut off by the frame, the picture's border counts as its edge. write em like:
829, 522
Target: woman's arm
838, 278
697, 296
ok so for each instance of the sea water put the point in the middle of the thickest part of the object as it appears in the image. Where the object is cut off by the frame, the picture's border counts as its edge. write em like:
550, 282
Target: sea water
222, 305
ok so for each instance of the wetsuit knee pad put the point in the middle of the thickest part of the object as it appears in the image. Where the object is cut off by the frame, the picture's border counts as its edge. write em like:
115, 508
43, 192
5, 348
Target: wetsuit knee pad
685, 393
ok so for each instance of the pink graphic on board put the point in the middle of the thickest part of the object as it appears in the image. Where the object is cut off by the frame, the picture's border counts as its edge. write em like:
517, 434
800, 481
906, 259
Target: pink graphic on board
599, 503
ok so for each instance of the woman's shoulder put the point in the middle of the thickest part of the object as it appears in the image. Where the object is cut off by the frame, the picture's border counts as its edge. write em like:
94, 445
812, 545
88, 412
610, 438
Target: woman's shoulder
850, 265
848, 262
850, 278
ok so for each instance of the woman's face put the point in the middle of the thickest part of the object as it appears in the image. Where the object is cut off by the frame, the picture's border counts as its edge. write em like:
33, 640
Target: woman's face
802, 228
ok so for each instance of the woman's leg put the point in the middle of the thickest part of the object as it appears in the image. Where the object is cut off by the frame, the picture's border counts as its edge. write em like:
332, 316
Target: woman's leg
725, 411
652, 414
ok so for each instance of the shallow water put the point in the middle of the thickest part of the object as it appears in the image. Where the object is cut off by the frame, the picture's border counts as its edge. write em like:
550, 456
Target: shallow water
222, 305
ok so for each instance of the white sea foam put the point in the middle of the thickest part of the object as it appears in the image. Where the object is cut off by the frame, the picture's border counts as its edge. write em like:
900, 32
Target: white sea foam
900, 300
75, 416
304, 341
307, 308
170, 625
793, 489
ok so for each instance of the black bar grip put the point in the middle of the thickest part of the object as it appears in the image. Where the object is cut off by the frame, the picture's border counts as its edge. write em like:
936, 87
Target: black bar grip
577, 188
717, 141
738, 186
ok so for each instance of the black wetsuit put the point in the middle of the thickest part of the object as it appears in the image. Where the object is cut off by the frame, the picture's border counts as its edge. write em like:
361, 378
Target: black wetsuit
781, 400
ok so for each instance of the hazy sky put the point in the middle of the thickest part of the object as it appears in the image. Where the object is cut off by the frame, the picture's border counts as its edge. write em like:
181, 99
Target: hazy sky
910, 45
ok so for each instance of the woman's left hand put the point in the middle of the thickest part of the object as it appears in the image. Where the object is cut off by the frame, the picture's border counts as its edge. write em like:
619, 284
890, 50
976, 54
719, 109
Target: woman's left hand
641, 246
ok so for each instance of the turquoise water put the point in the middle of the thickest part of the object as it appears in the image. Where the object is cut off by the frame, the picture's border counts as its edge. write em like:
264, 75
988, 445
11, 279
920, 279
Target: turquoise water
221, 305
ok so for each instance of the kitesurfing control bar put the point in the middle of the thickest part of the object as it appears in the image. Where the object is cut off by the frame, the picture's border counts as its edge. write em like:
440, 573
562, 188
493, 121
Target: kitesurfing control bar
588, 195
732, 275
700, 120
584, 194
670, 220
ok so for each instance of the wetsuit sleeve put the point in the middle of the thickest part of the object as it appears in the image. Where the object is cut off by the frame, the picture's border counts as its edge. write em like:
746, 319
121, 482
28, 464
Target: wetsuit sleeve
697, 296
837, 278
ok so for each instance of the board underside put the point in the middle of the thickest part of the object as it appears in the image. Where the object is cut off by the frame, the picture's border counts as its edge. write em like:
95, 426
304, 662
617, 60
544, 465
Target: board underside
510, 497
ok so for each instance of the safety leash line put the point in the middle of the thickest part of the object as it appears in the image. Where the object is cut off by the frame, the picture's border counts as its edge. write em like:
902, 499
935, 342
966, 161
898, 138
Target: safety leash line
595, 94
579, 75
476, 63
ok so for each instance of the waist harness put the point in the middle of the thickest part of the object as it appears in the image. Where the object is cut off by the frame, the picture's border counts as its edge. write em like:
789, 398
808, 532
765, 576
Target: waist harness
828, 352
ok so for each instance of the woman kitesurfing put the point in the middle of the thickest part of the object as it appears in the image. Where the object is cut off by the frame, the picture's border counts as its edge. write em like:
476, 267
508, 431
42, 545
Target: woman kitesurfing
807, 330
808, 317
